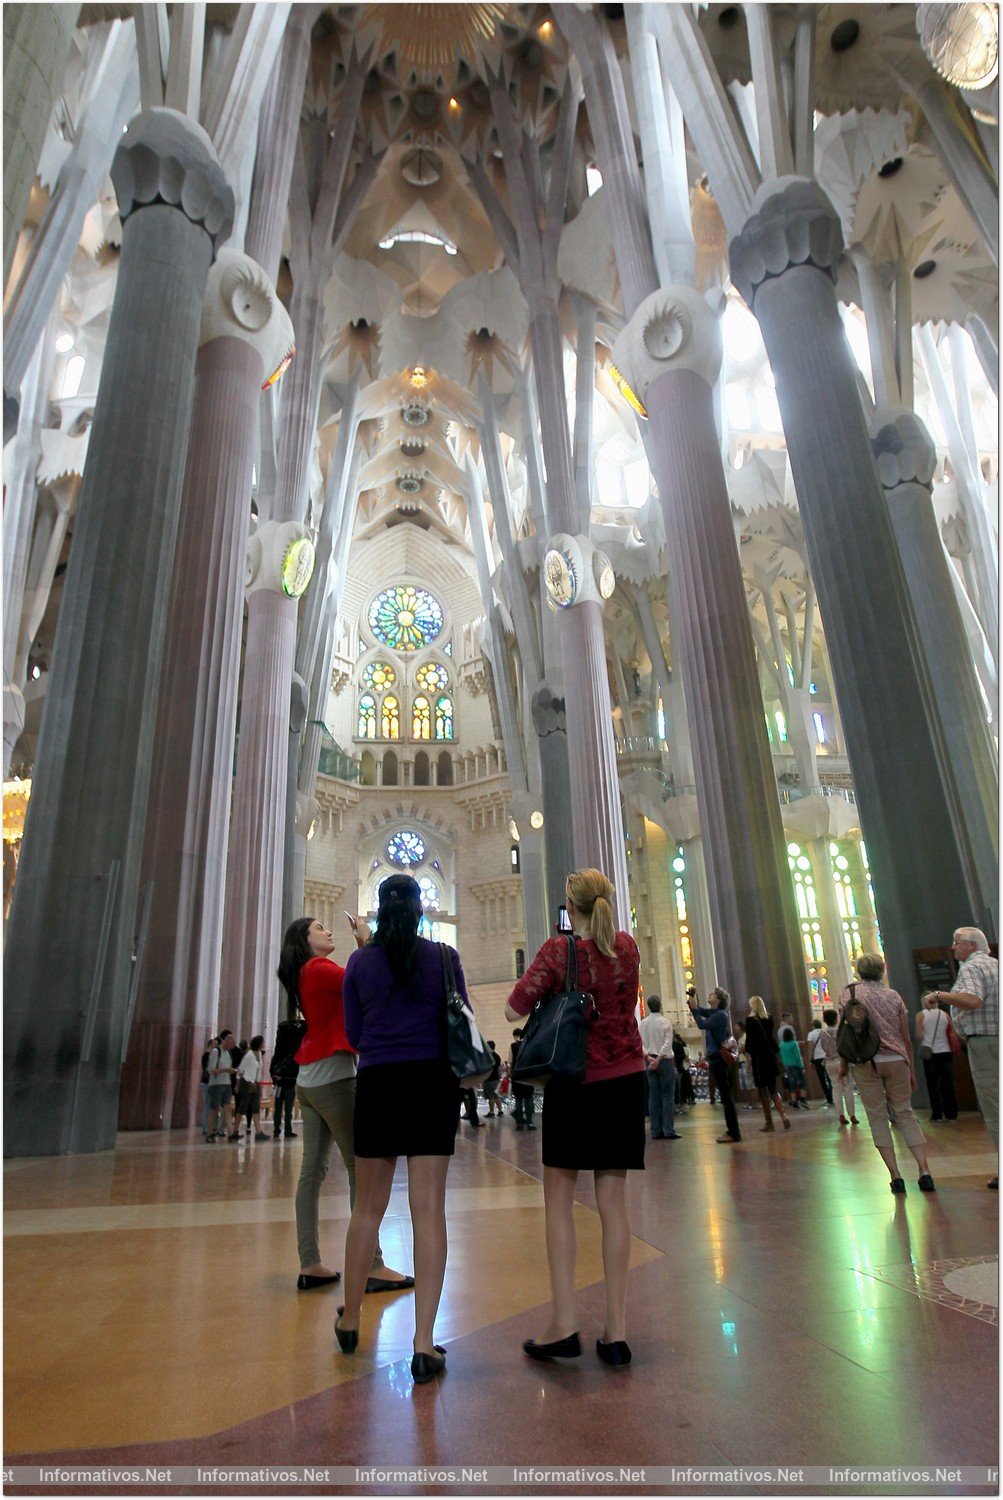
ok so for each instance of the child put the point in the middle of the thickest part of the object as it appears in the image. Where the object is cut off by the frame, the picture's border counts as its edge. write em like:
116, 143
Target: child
790, 1056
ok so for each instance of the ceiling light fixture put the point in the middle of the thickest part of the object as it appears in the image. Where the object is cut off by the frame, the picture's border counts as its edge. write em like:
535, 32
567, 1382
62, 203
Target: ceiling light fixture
961, 41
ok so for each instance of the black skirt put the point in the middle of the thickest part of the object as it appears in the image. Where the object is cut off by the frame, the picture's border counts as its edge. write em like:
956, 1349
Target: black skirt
406, 1109
595, 1127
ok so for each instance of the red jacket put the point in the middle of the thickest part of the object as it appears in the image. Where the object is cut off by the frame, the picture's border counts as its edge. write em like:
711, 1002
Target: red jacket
320, 982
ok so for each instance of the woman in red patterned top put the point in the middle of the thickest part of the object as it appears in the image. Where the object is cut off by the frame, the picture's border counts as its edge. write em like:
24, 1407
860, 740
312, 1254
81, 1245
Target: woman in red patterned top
596, 1126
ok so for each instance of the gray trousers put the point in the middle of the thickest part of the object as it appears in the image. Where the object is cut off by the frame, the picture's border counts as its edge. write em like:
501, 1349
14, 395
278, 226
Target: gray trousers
984, 1061
326, 1121
662, 1097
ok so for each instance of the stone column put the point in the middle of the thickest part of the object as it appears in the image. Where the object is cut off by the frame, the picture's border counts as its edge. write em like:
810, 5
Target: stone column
682, 823
906, 459
671, 353
20, 509
836, 961
784, 262
280, 561
245, 334
67, 1002
527, 814
36, 44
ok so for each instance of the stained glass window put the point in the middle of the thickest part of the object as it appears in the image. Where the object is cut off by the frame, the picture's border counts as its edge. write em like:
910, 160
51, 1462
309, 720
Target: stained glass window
431, 677
405, 618
406, 848
390, 718
378, 675
367, 717
448, 648
421, 719
444, 719
429, 893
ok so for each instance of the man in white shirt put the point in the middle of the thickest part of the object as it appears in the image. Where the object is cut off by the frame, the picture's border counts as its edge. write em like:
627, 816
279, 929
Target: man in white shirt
975, 1006
656, 1039
814, 1040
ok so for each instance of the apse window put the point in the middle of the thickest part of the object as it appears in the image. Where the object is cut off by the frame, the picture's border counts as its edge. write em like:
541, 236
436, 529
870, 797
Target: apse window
406, 848
72, 376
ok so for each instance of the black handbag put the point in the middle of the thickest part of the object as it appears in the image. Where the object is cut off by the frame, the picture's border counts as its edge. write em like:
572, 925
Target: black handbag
555, 1040
469, 1055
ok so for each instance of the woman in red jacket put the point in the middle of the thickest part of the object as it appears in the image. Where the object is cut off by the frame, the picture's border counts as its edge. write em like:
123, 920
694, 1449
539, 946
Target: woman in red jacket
325, 1088
595, 1126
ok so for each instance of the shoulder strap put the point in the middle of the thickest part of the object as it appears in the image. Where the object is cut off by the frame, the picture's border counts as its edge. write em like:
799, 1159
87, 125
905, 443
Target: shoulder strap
448, 977
571, 967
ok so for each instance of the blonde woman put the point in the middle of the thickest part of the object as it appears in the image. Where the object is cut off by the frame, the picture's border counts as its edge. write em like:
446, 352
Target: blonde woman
761, 1049
596, 1126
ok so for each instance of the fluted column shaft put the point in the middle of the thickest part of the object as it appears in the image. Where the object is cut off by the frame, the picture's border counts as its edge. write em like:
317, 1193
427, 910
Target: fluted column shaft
67, 1001
253, 910
186, 835
906, 458
749, 888
278, 127
783, 262
831, 927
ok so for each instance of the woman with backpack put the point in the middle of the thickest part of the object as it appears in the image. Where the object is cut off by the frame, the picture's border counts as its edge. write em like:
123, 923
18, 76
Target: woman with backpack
873, 1039
325, 1087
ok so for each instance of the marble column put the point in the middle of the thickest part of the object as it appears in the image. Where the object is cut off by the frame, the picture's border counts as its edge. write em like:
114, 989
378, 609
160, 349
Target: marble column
784, 263
67, 1002
906, 459
752, 910
20, 509
36, 44
836, 961
245, 334
537, 919
248, 990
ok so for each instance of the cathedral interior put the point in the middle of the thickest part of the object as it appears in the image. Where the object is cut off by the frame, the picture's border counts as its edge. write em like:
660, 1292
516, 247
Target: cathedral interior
489, 441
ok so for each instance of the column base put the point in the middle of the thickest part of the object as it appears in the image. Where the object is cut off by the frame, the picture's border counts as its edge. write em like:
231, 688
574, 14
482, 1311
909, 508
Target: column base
160, 1084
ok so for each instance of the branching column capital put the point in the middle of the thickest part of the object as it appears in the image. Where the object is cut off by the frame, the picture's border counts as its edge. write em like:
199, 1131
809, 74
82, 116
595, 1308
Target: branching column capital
674, 329
165, 157
903, 449
792, 223
240, 303
280, 557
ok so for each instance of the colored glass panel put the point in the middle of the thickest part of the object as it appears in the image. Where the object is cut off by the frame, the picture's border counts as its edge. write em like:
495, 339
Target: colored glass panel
429, 894
405, 618
390, 718
431, 677
378, 676
406, 848
444, 719
421, 719
367, 717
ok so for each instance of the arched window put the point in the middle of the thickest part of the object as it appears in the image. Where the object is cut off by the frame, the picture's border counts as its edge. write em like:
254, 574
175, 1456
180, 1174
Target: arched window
421, 719
390, 769
367, 770
444, 768
405, 849
367, 717
390, 720
421, 769
430, 898
444, 718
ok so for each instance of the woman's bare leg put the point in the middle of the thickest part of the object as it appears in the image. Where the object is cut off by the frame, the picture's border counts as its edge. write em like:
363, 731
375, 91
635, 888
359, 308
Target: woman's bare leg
374, 1179
426, 1191
559, 1204
611, 1200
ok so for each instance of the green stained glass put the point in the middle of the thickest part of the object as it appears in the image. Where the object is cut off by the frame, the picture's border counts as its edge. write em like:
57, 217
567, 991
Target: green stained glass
444, 719
405, 618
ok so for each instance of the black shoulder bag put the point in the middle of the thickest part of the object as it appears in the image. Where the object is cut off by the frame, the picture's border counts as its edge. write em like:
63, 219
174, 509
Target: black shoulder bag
556, 1037
469, 1055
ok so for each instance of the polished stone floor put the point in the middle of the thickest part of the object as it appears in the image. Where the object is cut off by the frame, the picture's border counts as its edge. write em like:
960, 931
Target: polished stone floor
784, 1308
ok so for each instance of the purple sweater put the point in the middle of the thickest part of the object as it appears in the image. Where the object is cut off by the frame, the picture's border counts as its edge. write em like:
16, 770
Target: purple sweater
387, 1022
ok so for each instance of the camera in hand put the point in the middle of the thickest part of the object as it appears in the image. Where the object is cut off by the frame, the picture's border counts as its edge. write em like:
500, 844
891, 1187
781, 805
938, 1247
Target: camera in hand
563, 920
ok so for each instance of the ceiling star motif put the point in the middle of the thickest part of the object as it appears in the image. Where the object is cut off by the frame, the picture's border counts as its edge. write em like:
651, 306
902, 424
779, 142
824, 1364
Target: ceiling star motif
428, 38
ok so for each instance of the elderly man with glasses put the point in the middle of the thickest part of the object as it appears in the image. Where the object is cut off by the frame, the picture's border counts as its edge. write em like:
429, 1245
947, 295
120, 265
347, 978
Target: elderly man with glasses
974, 1001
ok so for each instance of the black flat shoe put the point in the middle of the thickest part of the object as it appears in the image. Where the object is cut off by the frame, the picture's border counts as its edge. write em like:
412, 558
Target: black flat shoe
425, 1367
926, 1184
381, 1284
569, 1348
308, 1283
897, 1185
617, 1353
348, 1338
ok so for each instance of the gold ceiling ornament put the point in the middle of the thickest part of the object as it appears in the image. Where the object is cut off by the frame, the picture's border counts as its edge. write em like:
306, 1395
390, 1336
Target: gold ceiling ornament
429, 37
16, 795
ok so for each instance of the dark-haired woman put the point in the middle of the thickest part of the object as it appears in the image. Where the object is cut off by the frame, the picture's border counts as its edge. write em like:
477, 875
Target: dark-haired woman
394, 1016
595, 1126
325, 1087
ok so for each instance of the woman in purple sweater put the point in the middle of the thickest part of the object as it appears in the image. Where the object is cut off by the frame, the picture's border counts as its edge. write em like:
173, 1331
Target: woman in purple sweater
394, 1001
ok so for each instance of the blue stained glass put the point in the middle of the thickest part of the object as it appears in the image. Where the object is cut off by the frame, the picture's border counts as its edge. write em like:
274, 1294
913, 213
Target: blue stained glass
405, 618
406, 848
